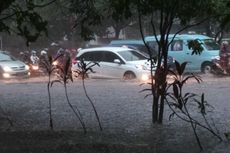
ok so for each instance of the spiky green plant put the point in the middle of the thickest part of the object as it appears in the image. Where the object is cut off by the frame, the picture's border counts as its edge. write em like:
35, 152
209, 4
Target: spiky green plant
82, 72
179, 102
65, 75
48, 65
50, 69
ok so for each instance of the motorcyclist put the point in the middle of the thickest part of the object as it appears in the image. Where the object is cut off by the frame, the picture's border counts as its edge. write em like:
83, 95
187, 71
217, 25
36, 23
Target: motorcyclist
43, 56
34, 58
224, 55
25, 57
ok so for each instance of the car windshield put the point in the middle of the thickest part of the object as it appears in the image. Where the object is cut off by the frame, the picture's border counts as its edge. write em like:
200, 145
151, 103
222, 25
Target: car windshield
4, 57
130, 55
211, 44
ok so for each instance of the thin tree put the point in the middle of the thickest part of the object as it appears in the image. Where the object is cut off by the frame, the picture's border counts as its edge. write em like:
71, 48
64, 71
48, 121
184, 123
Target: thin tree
163, 14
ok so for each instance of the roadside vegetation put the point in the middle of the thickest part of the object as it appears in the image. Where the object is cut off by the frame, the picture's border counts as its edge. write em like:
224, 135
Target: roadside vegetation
160, 15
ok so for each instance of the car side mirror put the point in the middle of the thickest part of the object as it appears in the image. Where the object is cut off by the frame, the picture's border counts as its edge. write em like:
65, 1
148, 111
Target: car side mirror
117, 61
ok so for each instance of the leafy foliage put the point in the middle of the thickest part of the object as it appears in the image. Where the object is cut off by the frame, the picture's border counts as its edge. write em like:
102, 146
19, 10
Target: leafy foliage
183, 105
86, 16
196, 46
84, 69
20, 17
222, 13
64, 76
92, 16
180, 102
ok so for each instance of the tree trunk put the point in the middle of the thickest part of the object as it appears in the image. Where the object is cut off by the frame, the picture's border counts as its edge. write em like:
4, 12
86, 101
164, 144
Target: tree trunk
164, 85
161, 113
117, 32
155, 108
160, 87
208, 29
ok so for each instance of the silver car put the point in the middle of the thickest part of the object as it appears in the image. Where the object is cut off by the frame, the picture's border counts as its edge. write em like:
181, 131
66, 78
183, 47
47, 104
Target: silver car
12, 68
115, 62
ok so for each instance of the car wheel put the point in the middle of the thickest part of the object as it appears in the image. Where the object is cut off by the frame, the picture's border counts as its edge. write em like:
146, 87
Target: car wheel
129, 76
206, 68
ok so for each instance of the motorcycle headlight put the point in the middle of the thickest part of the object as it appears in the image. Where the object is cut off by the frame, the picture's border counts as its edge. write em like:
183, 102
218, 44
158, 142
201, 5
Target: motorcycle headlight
55, 63
35, 67
7, 69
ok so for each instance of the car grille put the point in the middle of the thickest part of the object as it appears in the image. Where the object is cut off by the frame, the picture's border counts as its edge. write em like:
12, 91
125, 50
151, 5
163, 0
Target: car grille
20, 74
18, 68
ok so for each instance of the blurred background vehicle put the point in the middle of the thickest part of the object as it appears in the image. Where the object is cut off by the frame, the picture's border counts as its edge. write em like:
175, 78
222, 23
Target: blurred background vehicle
115, 62
133, 44
181, 52
140, 46
10, 67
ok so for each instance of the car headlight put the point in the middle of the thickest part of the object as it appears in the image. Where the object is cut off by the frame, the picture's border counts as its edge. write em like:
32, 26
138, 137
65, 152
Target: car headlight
27, 67
144, 77
142, 67
6, 75
7, 69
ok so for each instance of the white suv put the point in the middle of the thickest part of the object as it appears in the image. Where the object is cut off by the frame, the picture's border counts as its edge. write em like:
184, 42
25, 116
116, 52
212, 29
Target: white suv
115, 62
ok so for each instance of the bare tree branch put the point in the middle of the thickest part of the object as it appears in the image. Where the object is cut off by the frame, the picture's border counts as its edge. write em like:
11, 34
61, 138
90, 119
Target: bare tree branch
44, 5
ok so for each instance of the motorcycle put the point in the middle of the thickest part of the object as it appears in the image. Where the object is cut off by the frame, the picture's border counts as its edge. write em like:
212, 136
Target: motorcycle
35, 66
219, 67
34, 69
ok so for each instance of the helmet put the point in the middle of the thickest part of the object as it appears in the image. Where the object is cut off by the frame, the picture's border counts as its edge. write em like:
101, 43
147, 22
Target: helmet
43, 52
54, 44
61, 51
225, 43
79, 49
33, 52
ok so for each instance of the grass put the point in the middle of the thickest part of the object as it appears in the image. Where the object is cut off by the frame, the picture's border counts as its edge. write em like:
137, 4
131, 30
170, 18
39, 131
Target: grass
68, 142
